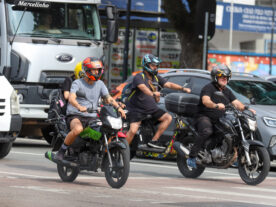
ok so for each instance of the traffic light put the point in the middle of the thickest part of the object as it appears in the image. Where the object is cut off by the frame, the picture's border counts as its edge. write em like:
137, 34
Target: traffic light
202, 7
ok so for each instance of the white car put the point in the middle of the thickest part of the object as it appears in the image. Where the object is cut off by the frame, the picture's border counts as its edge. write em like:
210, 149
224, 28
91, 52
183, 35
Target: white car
10, 120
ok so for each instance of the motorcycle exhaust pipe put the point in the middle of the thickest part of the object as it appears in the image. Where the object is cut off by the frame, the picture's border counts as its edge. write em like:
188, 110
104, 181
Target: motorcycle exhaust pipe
180, 149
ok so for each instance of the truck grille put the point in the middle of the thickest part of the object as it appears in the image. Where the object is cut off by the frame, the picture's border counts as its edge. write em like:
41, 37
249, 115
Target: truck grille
54, 76
2, 106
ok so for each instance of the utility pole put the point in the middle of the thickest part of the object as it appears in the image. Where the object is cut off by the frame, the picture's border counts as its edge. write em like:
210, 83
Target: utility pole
125, 64
272, 39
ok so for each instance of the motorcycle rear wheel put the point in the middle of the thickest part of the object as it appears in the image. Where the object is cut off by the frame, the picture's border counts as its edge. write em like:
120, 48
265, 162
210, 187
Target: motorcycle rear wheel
187, 171
67, 174
260, 167
117, 176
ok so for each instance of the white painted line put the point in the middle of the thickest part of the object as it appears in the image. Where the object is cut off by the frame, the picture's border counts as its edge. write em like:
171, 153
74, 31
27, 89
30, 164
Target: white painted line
196, 197
217, 192
27, 153
251, 188
41, 188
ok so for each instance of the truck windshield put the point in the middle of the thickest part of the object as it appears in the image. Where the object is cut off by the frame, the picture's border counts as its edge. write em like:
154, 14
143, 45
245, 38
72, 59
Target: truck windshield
69, 21
254, 92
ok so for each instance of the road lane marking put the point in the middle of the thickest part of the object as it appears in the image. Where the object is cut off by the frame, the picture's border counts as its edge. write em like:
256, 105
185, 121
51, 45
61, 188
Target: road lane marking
217, 192
256, 189
41, 188
149, 165
203, 197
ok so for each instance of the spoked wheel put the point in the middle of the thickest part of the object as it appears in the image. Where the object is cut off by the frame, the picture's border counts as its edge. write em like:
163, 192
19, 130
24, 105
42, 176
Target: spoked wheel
116, 176
67, 174
258, 170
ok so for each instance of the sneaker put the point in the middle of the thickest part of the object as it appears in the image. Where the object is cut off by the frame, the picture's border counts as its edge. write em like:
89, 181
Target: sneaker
191, 162
59, 155
156, 144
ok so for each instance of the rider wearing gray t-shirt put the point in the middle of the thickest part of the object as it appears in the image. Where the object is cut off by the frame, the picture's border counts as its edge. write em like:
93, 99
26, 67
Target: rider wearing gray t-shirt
92, 93
93, 88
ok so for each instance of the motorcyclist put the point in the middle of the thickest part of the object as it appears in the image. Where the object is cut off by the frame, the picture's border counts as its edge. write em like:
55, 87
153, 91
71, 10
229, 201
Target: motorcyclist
212, 107
144, 100
66, 86
93, 88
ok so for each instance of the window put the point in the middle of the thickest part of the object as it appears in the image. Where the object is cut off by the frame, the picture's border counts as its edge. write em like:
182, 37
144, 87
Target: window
198, 83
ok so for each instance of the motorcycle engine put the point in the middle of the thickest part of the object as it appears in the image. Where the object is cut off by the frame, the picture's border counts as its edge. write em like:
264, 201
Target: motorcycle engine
88, 159
218, 153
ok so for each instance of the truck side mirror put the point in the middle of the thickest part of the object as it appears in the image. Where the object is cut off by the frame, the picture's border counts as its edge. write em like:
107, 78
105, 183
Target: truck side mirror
112, 24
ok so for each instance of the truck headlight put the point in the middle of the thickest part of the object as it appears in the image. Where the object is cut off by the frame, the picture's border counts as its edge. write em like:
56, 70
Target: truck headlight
15, 108
252, 124
269, 121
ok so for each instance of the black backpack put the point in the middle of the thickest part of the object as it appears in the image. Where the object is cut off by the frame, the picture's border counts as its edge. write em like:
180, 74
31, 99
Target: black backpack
58, 104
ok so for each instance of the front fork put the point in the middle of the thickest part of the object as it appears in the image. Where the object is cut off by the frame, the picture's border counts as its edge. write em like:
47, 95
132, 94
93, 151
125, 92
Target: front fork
107, 149
245, 145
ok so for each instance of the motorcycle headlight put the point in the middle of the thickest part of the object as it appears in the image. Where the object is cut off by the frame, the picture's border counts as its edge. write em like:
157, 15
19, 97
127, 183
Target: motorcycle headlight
252, 124
269, 121
14, 100
116, 123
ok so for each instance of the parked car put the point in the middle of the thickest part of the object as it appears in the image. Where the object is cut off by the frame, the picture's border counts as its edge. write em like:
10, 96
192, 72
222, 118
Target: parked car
250, 89
270, 78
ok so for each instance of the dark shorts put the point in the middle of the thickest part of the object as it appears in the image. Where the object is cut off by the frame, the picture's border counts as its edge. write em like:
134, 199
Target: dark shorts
136, 116
84, 120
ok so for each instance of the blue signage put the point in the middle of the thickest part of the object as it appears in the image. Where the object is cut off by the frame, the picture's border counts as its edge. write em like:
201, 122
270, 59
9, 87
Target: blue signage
245, 17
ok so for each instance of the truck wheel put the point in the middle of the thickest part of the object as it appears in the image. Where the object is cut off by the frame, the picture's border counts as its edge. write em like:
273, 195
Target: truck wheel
46, 133
5, 148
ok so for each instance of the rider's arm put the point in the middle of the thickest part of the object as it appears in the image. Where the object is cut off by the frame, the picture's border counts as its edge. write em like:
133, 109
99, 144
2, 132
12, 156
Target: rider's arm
176, 87
73, 101
66, 95
206, 100
147, 91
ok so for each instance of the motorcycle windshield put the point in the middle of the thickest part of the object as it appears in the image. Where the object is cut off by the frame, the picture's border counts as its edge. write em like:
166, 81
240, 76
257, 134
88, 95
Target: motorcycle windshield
61, 20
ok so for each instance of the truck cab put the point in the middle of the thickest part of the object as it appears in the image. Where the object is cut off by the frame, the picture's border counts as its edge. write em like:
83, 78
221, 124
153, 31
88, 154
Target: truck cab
10, 120
41, 42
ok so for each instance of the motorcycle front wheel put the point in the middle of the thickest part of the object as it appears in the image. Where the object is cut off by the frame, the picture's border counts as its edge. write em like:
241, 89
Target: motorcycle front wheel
67, 174
117, 175
255, 173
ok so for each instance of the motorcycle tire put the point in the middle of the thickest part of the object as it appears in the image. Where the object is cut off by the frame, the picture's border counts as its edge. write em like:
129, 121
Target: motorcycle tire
261, 168
67, 174
187, 171
117, 176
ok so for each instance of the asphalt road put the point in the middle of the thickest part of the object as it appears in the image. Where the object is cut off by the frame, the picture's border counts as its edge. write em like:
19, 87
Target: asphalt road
27, 179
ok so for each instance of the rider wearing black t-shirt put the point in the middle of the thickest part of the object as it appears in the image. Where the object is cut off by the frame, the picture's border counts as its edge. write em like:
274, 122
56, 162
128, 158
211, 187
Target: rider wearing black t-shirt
144, 101
212, 107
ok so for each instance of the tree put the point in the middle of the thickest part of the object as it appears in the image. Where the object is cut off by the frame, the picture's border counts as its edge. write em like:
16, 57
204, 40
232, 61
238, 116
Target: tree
183, 21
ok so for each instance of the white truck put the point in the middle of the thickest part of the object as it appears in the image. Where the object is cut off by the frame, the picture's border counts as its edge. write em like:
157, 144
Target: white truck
40, 44
10, 120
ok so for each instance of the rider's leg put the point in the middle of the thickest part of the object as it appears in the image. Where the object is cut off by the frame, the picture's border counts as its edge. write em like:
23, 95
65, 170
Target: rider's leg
165, 120
134, 126
205, 129
76, 128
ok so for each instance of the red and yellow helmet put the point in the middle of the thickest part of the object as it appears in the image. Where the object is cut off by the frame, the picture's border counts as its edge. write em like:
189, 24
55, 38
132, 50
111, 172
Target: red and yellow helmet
91, 63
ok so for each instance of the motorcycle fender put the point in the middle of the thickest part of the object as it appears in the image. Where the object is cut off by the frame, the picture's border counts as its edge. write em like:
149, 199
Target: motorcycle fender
116, 144
121, 134
255, 143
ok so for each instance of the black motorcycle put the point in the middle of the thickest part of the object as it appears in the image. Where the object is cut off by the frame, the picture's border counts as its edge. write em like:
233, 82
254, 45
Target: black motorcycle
100, 145
234, 139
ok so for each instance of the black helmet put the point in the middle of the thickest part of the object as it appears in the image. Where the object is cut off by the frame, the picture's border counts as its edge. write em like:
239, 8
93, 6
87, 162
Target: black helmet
150, 59
219, 71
